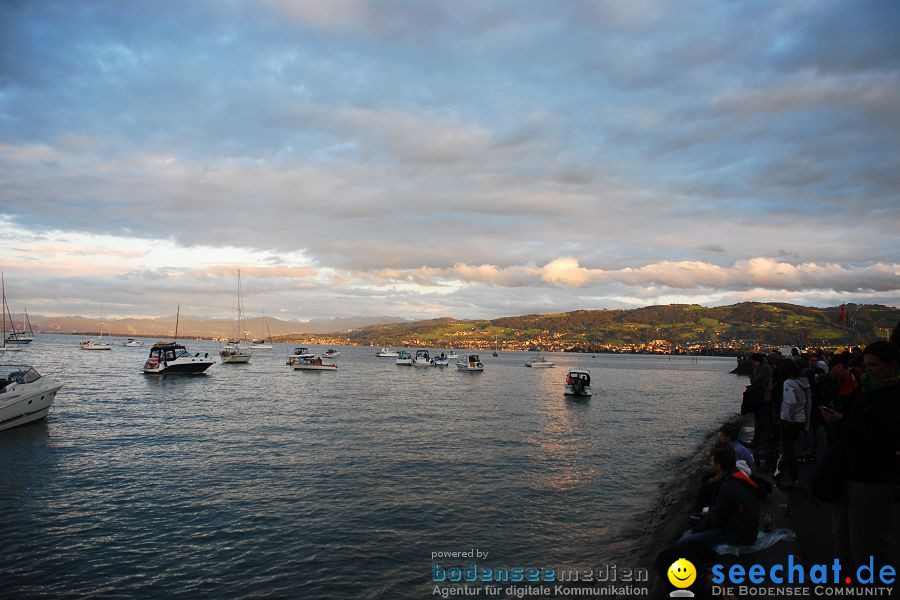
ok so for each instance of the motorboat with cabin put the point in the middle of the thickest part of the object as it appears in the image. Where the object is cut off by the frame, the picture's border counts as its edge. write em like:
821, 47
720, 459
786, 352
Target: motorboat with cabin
330, 353
97, 344
452, 355
422, 359
440, 361
578, 382
299, 352
386, 353
539, 362
313, 364
173, 358
472, 362
233, 353
133, 343
404, 358
25, 395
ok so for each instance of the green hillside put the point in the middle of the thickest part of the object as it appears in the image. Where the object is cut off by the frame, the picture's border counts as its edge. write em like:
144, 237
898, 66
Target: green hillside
684, 325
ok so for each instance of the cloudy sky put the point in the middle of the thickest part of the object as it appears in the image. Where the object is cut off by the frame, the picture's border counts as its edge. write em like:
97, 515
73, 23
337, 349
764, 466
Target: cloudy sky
468, 159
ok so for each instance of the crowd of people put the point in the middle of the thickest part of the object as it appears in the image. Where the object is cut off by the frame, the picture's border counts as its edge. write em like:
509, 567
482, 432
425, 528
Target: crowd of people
838, 411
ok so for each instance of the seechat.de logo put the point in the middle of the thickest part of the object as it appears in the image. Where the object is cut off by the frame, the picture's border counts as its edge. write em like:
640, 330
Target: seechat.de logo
682, 574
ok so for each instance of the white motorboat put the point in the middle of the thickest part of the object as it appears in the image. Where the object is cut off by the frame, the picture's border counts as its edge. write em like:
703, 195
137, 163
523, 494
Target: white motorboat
471, 363
440, 361
404, 358
578, 382
313, 364
385, 353
172, 357
299, 353
331, 353
233, 353
133, 343
25, 395
539, 362
97, 344
452, 355
422, 359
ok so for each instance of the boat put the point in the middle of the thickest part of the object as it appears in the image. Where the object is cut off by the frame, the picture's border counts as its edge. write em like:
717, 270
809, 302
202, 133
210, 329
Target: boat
404, 358
313, 364
471, 363
440, 361
133, 343
19, 337
330, 353
25, 395
578, 382
233, 353
496, 347
422, 359
385, 353
452, 354
173, 358
96, 344
265, 344
5, 310
298, 354
539, 362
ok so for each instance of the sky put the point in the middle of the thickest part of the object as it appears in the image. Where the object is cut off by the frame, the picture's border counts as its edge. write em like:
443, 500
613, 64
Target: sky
470, 159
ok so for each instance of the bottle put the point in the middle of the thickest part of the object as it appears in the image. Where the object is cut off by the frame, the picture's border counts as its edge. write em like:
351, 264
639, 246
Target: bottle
767, 523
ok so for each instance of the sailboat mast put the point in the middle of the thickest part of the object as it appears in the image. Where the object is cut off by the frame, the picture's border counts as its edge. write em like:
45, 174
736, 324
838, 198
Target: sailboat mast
177, 315
3, 285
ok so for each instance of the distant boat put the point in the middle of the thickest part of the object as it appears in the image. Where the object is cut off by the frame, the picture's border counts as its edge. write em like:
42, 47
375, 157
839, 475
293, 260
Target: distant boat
452, 354
133, 343
385, 353
97, 343
422, 359
313, 364
265, 344
404, 358
20, 337
233, 353
299, 354
331, 353
3, 346
539, 362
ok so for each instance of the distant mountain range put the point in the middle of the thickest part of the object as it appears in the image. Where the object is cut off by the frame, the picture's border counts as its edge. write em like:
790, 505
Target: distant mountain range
736, 326
189, 326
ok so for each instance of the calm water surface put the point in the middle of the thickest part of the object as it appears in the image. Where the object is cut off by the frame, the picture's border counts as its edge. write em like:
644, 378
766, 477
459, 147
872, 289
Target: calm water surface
258, 480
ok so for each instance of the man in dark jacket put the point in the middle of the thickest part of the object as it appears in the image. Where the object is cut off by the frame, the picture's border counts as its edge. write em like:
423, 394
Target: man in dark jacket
733, 517
761, 390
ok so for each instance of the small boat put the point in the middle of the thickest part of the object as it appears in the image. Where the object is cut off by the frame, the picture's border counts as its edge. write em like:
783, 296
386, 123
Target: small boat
5, 310
97, 344
539, 362
578, 382
234, 354
385, 353
404, 358
20, 337
172, 357
265, 344
440, 361
422, 359
452, 354
313, 364
25, 395
471, 363
299, 353
133, 343
330, 353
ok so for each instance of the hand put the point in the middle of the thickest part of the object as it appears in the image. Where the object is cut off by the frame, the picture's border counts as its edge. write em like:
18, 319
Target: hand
830, 415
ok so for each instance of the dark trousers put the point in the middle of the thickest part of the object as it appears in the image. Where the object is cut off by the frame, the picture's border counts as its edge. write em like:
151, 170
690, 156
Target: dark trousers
790, 433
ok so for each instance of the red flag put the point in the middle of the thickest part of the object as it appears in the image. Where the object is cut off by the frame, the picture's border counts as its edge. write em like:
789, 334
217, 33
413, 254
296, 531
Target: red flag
842, 316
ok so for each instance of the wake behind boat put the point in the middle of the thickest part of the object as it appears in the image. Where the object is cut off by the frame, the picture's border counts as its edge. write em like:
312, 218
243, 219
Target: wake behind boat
25, 395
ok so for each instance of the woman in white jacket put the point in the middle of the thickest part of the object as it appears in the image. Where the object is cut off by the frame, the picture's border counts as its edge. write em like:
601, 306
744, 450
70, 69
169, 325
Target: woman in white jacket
796, 409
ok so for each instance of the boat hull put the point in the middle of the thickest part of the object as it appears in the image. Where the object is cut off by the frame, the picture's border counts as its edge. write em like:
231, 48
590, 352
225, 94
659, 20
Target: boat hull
19, 341
97, 347
235, 359
584, 392
26, 403
193, 367
302, 367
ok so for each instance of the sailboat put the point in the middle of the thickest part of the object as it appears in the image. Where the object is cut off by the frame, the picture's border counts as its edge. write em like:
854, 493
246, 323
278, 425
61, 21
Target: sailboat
3, 346
233, 353
265, 344
97, 344
20, 337
496, 347
172, 357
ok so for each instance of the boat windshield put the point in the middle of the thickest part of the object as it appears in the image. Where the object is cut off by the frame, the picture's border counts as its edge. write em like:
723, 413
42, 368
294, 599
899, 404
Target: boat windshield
19, 374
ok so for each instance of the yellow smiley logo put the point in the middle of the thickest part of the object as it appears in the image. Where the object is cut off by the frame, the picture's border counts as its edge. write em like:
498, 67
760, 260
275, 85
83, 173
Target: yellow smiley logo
682, 573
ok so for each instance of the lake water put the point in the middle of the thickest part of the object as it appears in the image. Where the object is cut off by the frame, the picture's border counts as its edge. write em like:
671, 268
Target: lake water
258, 480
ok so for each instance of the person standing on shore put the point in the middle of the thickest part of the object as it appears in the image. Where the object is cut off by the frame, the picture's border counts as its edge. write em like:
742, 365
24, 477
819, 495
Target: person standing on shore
761, 389
795, 412
869, 440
